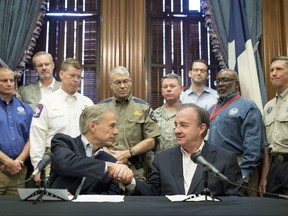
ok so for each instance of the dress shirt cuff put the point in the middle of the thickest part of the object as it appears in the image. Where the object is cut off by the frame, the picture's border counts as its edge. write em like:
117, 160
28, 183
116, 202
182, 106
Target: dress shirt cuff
130, 188
105, 168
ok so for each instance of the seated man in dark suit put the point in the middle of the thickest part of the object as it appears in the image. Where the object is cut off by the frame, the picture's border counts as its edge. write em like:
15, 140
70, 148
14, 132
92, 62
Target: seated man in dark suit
80, 164
173, 171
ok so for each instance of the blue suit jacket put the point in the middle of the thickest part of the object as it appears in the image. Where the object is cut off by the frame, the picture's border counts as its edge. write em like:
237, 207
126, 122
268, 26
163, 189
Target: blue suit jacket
70, 163
166, 177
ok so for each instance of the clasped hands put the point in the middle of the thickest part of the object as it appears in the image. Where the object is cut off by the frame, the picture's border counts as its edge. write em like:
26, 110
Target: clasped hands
12, 167
120, 172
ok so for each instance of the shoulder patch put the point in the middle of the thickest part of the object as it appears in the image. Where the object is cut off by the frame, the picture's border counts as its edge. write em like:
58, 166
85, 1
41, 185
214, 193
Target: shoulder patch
38, 111
108, 100
151, 114
141, 101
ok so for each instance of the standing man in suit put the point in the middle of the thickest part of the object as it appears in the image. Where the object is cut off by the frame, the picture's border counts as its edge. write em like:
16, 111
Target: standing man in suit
46, 83
80, 164
173, 171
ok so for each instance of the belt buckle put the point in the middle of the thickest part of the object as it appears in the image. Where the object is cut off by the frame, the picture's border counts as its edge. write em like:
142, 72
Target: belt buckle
279, 159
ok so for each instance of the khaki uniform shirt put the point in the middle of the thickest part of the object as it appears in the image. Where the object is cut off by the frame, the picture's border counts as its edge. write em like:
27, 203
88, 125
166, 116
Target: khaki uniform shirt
276, 123
135, 122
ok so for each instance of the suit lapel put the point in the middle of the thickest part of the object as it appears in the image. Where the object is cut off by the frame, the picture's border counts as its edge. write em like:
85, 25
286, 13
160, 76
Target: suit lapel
177, 170
209, 155
37, 92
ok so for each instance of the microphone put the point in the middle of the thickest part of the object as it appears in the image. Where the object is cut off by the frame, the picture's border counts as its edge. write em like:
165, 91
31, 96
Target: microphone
46, 159
197, 158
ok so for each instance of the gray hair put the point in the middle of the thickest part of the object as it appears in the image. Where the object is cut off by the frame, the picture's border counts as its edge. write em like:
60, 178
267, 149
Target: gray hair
119, 70
93, 113
172, 76
202, 115
7, 69
41, 53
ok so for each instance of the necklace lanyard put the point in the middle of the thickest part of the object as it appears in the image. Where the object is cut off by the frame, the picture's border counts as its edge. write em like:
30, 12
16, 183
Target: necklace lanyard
214, 114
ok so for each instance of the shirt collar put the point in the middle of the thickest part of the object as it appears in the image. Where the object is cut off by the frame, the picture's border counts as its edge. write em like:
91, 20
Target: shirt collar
198, 150
283, 95
227, 98
121, 102
51, 86
66, 96
89, 147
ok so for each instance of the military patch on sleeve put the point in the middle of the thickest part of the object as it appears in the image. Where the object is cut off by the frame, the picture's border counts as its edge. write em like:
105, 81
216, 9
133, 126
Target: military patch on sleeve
151, 114
38, 111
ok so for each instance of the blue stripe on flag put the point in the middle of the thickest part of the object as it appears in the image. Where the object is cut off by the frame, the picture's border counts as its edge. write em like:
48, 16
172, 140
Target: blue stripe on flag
240, 53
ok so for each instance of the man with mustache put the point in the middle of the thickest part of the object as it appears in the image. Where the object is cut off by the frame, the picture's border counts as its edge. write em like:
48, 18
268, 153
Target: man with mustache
236, 125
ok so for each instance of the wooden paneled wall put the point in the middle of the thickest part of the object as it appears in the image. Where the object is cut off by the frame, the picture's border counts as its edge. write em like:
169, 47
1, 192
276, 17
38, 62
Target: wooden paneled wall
123, 42
275, 36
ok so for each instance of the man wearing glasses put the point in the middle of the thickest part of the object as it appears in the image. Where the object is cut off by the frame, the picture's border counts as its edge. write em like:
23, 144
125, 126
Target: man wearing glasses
236, 125
198, 92
46, 83
136, 124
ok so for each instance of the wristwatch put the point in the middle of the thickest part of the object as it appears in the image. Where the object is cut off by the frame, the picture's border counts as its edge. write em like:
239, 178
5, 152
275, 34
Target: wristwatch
245, 179
132, 152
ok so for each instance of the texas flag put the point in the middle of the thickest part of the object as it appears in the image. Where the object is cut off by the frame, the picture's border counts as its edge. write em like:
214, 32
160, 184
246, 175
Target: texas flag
240, 53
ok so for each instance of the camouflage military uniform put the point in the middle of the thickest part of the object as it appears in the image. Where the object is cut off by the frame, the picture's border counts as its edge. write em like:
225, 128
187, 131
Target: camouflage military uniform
166, 123
135, 122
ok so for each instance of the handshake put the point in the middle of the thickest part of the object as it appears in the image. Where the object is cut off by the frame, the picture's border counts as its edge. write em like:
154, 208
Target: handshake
120, 172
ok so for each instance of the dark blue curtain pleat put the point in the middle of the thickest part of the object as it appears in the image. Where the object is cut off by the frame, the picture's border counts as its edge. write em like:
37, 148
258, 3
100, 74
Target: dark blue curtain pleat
217, 13
17, 22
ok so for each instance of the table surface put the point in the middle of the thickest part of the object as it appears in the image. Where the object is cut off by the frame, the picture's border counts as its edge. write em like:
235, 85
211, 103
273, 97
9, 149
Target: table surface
146, 205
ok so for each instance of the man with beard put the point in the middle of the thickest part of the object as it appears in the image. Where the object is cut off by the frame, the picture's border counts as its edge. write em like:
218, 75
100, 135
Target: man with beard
46, 83
198, 92
236, 125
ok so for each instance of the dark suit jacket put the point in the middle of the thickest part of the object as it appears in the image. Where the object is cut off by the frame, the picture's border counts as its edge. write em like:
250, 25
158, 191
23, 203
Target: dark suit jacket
31, 94
70, 163
166, 177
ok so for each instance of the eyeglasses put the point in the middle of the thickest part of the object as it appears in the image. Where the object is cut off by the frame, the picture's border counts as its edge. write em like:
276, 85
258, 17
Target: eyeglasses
119, 82
223, 80
42, 65
199, 69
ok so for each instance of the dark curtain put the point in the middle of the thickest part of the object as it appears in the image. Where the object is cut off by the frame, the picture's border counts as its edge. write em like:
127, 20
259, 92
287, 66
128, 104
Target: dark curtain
217, 18
20, 24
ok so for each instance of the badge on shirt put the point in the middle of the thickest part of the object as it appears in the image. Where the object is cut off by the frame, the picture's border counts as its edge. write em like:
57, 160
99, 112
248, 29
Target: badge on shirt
21, 110
38, 111
233, 111
269, 110
151, 114
137, 112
